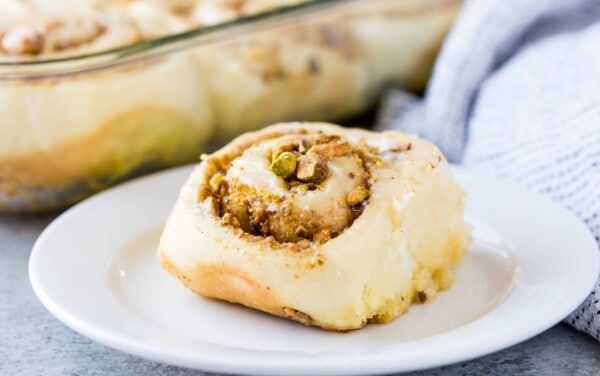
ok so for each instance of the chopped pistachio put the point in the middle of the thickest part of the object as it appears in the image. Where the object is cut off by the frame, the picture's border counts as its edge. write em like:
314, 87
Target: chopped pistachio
282, 147
330, 150
284, 164
358, 195
312, 168
327, 138
215, 182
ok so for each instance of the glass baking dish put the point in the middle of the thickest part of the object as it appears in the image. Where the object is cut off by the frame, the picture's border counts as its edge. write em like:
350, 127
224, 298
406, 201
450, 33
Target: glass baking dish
73, 126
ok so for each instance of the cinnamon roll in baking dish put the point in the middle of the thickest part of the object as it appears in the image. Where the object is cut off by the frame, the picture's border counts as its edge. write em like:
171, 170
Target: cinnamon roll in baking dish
74, 123
328, 226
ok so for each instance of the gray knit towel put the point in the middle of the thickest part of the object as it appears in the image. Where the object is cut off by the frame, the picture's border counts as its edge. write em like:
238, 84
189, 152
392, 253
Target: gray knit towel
516, 92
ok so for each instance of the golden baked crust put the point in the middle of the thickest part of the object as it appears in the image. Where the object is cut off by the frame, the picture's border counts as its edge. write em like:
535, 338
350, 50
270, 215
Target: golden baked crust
399, 249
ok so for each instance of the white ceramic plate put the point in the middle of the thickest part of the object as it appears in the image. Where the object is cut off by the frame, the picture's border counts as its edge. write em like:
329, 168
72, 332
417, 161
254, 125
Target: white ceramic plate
94, 268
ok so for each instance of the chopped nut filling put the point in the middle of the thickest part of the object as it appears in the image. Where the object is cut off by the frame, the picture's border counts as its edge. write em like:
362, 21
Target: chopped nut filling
295, 188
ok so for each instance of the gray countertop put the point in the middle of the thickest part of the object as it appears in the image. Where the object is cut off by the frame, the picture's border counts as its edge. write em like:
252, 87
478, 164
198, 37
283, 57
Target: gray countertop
32, 342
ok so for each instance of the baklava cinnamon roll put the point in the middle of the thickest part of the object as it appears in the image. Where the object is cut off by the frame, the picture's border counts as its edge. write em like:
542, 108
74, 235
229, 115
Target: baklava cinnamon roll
328, 226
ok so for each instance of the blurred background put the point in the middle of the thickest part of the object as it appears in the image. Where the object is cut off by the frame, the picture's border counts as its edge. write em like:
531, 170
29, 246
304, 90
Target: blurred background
96, 92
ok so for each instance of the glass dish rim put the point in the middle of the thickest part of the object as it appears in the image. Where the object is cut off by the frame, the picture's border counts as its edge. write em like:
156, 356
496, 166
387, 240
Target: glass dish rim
44, 68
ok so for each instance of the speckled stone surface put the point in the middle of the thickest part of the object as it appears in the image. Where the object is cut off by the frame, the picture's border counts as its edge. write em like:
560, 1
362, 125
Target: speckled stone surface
32, 342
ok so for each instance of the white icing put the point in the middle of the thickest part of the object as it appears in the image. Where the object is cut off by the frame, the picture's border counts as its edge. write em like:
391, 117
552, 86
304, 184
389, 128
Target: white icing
328, 200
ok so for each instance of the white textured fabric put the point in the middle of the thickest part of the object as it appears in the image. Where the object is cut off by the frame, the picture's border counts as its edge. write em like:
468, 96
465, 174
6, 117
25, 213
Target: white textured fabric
516, 93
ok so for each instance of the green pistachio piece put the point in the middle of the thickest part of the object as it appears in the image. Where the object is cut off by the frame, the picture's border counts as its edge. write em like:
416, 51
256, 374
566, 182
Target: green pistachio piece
284, 164
215, 182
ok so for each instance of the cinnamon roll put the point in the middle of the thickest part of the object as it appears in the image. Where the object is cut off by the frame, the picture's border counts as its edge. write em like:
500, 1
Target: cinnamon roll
328, 226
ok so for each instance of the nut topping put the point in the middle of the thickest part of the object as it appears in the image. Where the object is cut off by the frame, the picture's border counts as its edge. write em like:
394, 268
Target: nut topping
312, 168
284, 164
